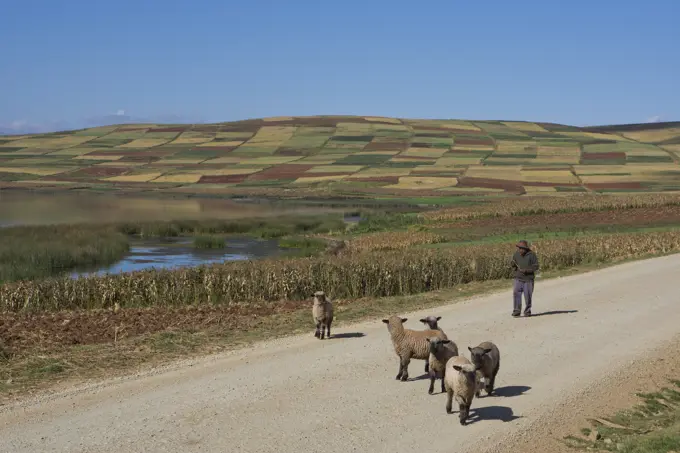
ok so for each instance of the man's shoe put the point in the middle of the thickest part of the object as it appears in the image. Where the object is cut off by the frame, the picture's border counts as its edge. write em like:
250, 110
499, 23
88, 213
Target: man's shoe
515, 315
527, 315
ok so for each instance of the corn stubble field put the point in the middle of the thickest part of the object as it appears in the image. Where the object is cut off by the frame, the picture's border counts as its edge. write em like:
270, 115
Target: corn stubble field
47, 319
347, 155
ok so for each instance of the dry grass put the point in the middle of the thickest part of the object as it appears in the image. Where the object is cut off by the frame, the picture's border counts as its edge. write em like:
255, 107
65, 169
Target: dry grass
97, 157
46, 171
144, 143
529, 127
423, 182
142, 177
653, 135
179, 178
424, 152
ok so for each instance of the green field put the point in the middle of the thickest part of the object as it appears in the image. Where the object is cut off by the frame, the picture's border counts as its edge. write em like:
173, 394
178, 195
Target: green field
349, 156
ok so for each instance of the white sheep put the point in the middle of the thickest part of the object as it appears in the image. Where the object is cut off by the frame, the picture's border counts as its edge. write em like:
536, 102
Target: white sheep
487, 361
409, 344
431, 322
322, 312
440, 352
460, 382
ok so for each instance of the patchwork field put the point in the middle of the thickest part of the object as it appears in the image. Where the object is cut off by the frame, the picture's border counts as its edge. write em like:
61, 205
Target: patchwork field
348, 155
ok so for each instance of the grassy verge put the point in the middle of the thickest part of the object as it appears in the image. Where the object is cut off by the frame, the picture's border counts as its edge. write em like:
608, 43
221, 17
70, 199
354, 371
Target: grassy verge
653, 426
44, 366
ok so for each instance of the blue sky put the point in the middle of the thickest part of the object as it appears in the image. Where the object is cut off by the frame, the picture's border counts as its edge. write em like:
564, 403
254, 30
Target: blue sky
75, 63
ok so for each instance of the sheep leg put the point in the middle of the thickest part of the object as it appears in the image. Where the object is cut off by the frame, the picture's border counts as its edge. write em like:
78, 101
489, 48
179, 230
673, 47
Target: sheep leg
464, 411
328, 329
427, 366
322, 331
433, 377
490, 383
317, 334
404, 367
443, 389
449, 401
401, 369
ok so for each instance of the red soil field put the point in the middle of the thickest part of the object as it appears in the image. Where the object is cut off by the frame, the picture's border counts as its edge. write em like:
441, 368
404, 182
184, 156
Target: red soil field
222, 179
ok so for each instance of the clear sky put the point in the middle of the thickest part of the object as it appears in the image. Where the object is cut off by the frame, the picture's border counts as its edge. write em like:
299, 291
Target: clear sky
73, 62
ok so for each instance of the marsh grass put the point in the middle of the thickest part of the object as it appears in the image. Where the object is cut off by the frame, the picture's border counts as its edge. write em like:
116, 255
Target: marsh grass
209, 242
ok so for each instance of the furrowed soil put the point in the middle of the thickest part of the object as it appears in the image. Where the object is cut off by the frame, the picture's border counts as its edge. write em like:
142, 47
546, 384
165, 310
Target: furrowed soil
302, 394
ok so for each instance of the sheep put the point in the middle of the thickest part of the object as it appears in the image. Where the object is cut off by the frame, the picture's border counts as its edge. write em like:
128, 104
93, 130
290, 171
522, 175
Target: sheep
487, 360
322, 312
440, 352
409, 344
460, 383
431, 321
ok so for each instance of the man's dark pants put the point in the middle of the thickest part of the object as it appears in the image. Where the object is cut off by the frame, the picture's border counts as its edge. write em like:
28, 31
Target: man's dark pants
518, 288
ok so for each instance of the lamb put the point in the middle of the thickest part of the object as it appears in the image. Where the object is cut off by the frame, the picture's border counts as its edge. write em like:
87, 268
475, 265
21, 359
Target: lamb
487, 360
431, 321
409, 344
440, 352
322, 312
460, 382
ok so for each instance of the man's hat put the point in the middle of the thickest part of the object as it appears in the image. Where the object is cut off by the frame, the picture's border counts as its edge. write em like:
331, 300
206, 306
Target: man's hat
523, 245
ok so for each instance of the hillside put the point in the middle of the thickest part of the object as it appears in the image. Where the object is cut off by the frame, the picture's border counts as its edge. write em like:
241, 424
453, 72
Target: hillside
345, 155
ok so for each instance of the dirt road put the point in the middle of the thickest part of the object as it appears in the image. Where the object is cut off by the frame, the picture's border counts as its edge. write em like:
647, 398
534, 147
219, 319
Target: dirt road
305, 395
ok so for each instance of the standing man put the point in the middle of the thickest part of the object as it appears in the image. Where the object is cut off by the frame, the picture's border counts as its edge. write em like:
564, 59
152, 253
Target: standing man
525, 263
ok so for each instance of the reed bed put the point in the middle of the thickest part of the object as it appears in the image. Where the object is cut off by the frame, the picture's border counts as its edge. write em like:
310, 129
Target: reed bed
552, 205
368, 274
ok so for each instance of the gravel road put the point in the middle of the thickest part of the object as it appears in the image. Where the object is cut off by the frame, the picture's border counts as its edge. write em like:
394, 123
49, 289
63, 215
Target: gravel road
301, 394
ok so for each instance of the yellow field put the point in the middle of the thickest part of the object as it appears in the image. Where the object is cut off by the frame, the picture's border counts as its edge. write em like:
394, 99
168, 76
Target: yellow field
271, 136
609, 178
187, 178
424, 152
225, 171
45, 171
32, 161
142, 177
628, 168
70, 152
100, 157
378, 172
653, 136
471, 147
192, 138
224, 160
509, 172
46, 182
453, 161
335, 169
539, 189
642, 152
504, 161
595, 135
24, 152
514, 146
460, 125
551, 176
234, 135
424, 182
310, 179
277, 118
145, 143
354, 128
380, 118
270, 160
529, 127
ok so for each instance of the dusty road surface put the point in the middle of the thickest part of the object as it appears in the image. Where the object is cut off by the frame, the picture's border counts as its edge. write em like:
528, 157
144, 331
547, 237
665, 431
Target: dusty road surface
305, 395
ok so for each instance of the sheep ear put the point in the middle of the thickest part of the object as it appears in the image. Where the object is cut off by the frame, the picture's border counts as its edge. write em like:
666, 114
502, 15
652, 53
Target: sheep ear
438, 318
487, 350
423, 321
457, 368
386, 321
404, 320
428, 340
469, 349
446, 341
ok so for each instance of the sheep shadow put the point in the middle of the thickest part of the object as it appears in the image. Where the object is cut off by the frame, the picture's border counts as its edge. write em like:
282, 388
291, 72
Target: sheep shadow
510, 390
419, 378
502, 413
554, 312
348, 335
